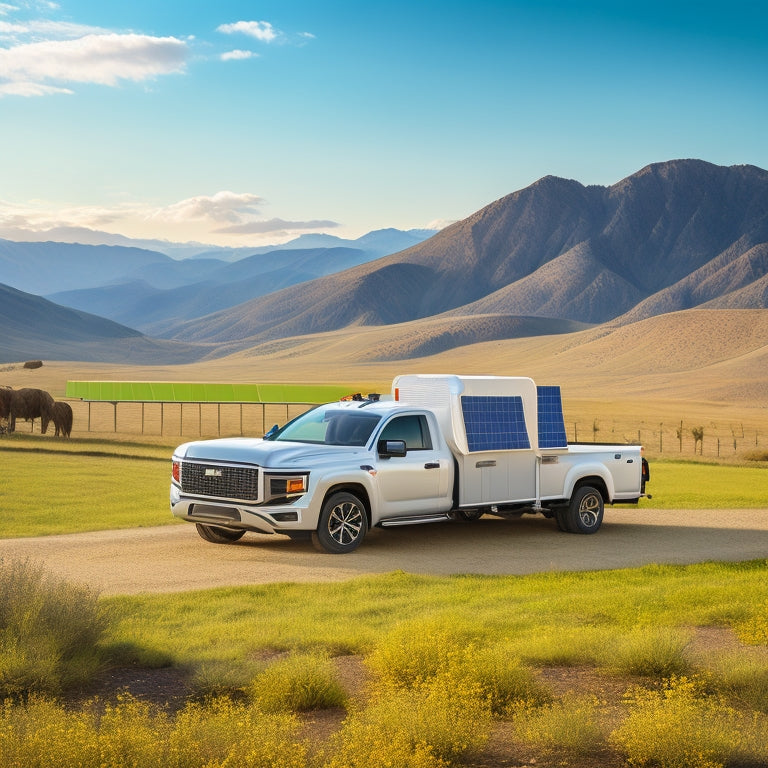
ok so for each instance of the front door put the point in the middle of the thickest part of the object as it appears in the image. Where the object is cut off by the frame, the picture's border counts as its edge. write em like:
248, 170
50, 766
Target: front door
418, 482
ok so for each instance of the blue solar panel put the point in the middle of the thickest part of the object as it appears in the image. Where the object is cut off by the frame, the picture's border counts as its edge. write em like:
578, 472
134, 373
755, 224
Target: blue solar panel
494, 423
551, 421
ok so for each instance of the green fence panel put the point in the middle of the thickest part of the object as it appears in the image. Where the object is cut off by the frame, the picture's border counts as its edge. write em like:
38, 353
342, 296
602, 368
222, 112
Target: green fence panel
197, 392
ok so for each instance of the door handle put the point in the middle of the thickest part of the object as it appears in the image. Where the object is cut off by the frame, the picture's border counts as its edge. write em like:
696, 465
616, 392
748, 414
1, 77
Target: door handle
432, 465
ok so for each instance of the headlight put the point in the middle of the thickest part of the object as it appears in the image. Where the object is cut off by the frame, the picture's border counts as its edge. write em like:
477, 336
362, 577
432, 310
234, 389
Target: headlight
281, 487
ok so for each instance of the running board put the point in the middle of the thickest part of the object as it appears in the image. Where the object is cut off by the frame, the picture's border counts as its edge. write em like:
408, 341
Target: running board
394, 522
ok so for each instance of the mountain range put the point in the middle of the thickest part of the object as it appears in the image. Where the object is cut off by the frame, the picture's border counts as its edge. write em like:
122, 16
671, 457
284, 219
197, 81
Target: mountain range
553, 257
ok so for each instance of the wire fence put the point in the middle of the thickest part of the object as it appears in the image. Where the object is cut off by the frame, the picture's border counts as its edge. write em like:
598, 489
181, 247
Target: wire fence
175, 419
209, 419
683, 437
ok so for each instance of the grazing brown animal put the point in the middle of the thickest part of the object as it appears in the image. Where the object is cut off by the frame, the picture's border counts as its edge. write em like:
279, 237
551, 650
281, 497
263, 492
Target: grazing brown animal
62, 418
29, 404
5, 402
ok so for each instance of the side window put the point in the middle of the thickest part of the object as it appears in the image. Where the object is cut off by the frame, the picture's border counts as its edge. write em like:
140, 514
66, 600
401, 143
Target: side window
413, 429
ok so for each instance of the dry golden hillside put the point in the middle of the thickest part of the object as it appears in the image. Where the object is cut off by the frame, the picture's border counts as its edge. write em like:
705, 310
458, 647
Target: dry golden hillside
699, 367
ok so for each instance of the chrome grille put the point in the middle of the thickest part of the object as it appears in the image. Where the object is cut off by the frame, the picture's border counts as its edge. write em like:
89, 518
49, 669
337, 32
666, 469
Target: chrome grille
220, 481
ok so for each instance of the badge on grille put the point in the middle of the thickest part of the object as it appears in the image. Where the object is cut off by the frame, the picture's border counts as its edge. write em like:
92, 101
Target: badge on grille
212, 472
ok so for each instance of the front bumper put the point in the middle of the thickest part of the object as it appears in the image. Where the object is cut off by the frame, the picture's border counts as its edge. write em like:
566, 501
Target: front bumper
231, 514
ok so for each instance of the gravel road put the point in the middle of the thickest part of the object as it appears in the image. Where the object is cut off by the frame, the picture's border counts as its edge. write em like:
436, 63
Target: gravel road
174, 558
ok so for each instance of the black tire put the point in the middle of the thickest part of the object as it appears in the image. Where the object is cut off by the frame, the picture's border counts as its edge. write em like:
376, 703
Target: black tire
585, 512
217, 535
343, 524
561, 518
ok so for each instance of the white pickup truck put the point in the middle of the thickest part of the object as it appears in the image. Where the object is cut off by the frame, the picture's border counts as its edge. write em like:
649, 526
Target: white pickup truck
442, 447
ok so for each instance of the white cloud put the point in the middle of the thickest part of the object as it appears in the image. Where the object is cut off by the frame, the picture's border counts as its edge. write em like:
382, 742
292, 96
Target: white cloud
31, 89
37, 30
230, 207
238, 55
261, 30
104, 59
274, 225
225, 218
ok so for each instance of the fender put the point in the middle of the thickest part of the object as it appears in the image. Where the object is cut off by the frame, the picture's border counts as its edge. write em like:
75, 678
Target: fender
342, 478
581, 471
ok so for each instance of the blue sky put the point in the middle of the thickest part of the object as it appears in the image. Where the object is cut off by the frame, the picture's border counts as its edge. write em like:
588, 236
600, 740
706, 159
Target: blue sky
245, 123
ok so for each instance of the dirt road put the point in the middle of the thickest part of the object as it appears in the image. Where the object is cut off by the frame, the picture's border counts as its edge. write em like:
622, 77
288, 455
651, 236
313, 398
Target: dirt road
173, 558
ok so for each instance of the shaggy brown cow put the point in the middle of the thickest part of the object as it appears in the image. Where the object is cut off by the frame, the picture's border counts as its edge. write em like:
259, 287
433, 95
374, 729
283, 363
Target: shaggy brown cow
29, 404
62, 418
5, 402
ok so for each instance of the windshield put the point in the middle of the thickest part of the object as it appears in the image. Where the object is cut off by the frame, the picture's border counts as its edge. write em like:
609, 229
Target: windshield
329, 425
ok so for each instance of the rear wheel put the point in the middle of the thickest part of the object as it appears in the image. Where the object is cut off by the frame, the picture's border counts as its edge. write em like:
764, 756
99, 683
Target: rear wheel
585, 512
343, 524
217, 535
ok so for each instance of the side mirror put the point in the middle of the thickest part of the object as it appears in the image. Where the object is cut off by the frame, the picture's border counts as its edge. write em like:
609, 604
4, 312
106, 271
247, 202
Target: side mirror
272, 432
388, 449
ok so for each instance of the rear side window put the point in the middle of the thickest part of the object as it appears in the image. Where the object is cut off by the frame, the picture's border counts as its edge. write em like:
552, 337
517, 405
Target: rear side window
413, 429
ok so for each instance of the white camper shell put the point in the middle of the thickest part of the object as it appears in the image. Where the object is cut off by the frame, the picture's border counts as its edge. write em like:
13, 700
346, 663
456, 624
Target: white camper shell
503, 429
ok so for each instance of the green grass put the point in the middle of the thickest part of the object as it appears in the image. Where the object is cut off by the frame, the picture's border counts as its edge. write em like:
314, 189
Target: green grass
49, 631
549, 618
700, 485
68, 487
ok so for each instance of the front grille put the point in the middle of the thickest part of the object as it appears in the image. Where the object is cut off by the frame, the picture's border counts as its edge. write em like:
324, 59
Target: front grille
220, 481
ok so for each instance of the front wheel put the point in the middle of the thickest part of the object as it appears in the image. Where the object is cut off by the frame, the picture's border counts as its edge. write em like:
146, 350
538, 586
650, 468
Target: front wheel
217, 535
343, 524
585, 512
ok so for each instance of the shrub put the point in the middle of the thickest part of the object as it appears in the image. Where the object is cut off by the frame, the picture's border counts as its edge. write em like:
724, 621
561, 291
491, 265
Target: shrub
571, 726
417, 651
432, 725
33, 364
651, 652
678, 726
757, 454
755, 629
49, 631
130, 734
228, 734
44, 733
300, 682
505, 683
213, 679
743, 680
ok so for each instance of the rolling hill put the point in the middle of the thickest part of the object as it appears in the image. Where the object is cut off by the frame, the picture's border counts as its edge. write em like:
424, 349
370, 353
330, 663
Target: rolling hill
43, 268
150, 293
555, 260
32, 327
673, 236
158, 296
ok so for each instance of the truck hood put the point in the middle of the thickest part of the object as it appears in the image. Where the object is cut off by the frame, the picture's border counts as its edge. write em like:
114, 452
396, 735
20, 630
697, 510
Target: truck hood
265, 453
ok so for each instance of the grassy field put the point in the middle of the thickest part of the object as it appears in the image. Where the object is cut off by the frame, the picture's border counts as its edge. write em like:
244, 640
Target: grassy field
549, 619
428, 653
91, 484
81, 485
449, 671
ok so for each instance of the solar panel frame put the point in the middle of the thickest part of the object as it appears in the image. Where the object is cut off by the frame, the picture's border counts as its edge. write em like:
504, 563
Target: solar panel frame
551, 422
494, 423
